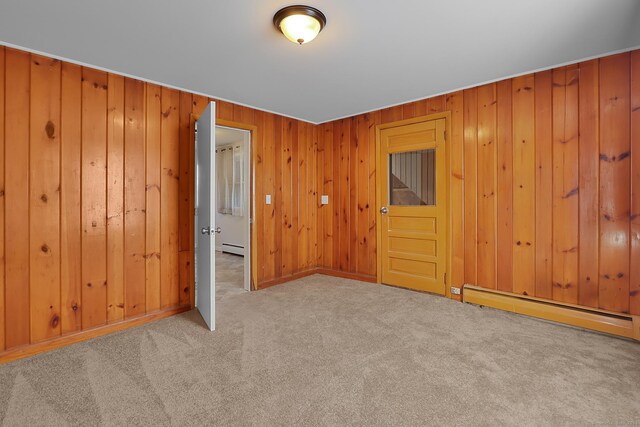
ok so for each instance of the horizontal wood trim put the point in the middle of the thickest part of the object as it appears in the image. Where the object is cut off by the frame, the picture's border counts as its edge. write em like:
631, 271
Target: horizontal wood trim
33, 349
594, 319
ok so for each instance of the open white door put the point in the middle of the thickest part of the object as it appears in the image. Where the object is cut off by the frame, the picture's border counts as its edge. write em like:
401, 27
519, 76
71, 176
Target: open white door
205, 227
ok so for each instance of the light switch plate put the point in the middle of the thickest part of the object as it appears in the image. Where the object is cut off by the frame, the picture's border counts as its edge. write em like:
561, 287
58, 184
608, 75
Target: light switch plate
268, 199
324, 200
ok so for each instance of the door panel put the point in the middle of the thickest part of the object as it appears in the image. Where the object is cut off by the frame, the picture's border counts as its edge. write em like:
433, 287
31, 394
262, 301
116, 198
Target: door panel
205, 216
413, 195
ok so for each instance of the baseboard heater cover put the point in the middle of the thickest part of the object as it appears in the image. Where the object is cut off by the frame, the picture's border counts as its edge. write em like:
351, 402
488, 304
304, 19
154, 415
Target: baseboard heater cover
620, 324
233, 249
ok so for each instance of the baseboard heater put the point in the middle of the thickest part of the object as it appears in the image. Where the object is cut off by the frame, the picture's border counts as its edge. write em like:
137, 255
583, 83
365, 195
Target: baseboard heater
584, 317
233, 249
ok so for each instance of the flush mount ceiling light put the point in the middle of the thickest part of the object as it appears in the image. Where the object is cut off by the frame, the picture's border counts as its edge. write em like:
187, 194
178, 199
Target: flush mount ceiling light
300, 24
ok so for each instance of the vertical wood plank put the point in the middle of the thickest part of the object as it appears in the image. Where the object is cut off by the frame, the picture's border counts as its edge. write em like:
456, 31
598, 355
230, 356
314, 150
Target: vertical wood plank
634, 278
353, 194
337, 183
153, 112
134, 199
614, 182
115, 198
94, 200
327, 183
319, 171
456, 196
470, 185
589, 152
242, 114
70, 191
363, 207
344, 233
269, 211
258, 141
224, 110
487, 186
170, 123
312, 188
284, 247
565, 184
304, 201
294, 191
44, 183
17, 98
523, 185
391, 114
409, 110
421, 108
2, 205
278, 168
504, 231
374, 119
185, 181
544, 184
436, 104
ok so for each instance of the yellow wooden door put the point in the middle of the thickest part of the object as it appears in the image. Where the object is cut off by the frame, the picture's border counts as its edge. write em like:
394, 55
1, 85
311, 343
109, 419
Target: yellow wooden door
413, 206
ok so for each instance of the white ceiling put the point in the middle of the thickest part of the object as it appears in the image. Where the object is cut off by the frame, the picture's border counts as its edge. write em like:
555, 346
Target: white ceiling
372, 53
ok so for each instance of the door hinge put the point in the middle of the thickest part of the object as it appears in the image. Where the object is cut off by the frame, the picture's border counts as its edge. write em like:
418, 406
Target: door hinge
445, 135
445, 278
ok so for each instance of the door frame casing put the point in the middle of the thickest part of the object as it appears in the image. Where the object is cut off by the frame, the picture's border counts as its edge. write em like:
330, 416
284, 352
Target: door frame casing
443, 115
253, 234
247, 199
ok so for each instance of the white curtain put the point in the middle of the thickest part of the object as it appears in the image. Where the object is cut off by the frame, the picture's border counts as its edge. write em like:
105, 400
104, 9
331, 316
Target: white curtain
237, 196
230, 179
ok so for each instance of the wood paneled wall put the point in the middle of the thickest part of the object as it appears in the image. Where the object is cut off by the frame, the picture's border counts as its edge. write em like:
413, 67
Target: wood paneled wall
544, 188
96, 198
96, 194
285, 159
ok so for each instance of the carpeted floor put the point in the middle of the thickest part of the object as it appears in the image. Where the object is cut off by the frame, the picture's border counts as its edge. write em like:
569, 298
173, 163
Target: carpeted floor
229, 275
328, 351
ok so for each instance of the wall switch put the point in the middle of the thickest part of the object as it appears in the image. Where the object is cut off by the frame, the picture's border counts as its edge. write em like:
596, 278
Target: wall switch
324, 200
268, 199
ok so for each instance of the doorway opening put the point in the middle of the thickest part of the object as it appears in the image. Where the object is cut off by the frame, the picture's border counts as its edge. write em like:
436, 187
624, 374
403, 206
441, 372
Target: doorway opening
232, 190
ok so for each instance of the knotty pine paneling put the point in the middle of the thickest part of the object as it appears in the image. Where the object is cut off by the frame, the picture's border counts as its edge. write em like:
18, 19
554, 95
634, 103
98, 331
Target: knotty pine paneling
134, 199
634, 285
70, 211
615, 182
16, 195
44, 198
2, 198
97, 170
123, 147
544, 180
115, 198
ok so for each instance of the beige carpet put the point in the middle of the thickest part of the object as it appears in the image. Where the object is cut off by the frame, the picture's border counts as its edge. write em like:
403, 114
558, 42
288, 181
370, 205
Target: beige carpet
229, 275
327, 351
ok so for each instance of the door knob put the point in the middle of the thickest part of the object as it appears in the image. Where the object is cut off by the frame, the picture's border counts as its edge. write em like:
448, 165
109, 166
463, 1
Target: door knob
206, 230
218, 230
384, 210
